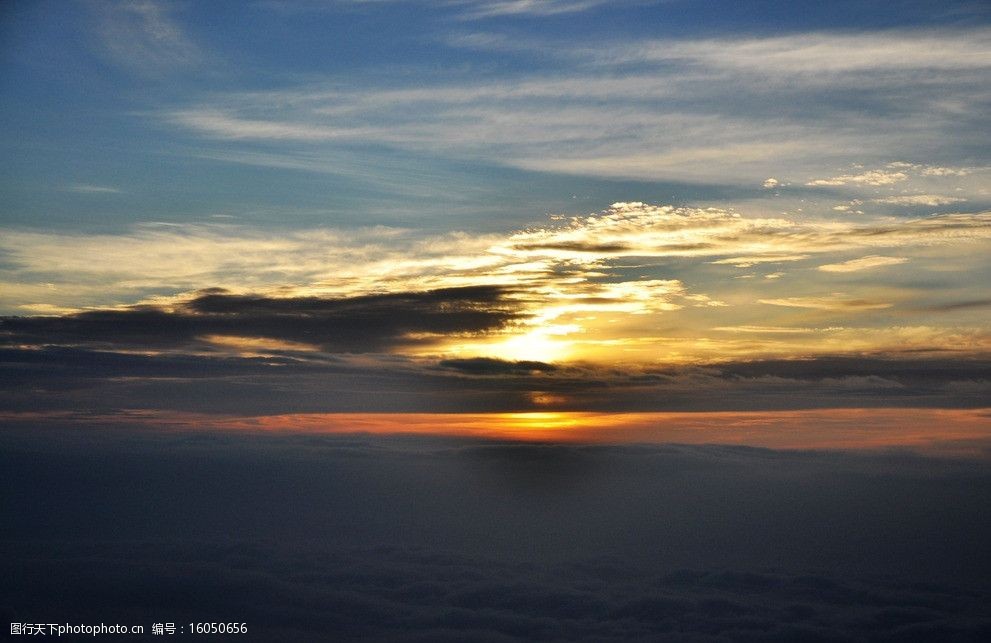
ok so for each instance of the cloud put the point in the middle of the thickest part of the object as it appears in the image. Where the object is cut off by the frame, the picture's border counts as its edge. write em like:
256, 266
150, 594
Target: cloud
863, 263
487, 9
672, 109
872, 177
489, 366
811, 56
920, 199
687, 162
360, 537
958, 305
391, 593
594, 286
763, 329
218, 124
86, 188
356, 324
639, 229
823, 52
827, 303
144, 38
946, 171
747, 262
935, 170
482, 9
76, 368
92, 270
920, 177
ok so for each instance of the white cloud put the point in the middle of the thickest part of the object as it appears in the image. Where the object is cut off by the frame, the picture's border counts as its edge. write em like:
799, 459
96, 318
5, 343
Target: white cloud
747, 262
489, 8
831, 302
946, 171
219, 124
142, 36
638, 229
823, 52
871, 177
934, 170
86, 188
863, 263
683, 112
920, 199
479, 9
767, 329
570, 257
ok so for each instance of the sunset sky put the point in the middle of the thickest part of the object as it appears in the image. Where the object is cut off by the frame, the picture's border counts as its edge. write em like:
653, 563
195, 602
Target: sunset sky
497, 321
287, 208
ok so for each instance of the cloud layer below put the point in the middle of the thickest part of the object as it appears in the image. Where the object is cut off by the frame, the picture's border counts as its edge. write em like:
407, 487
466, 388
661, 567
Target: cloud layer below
399, 539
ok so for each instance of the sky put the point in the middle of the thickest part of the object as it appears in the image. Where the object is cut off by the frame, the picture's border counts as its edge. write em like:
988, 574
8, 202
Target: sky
497, 320
386, 206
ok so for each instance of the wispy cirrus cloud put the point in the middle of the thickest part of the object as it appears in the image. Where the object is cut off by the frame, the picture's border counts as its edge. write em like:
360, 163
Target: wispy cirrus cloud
833, 302
863, 263
481, 9
88, 188
823, 52
747, 262
226, 125
920, 199
705, 110
144, 37
485, 9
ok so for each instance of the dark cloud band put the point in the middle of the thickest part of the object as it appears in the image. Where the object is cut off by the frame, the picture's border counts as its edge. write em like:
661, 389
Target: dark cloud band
74, 378
353, 325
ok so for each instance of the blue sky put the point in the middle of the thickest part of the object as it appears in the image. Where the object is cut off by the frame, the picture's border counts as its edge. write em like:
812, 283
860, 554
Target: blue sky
474, 115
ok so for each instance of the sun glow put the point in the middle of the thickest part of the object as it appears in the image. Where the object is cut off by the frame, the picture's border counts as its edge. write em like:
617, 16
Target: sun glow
543, 344
945, 431
538, 345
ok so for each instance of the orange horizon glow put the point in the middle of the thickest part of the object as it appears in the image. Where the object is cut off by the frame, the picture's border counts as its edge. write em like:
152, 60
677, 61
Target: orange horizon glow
963, 431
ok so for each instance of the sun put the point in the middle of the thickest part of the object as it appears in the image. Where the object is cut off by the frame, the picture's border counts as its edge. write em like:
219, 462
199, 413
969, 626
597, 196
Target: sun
543, 343
537, 345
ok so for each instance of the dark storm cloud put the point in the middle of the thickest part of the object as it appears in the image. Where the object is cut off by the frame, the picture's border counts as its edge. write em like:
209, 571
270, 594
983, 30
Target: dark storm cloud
310, 537
354, 324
